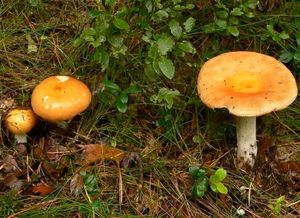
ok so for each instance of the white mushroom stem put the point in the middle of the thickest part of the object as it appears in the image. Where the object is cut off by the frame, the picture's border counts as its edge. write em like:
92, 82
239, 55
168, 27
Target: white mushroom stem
21, 138
246, 141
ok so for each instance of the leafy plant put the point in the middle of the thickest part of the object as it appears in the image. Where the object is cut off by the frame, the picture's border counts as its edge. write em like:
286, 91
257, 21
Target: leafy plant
165, 95
277, 206
121, 96
216, 181
202, 181
90, 183
292, 56
227, 19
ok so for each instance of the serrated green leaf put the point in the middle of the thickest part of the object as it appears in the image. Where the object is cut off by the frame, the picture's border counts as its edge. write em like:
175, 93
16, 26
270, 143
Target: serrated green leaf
121, 24
233, 30
165, 44
175, 28
167, 67
189, 24
187, 47
221, 188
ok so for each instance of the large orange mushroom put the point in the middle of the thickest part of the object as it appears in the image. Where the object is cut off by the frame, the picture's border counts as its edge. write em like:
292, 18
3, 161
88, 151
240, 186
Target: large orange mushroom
60, 98
248, 84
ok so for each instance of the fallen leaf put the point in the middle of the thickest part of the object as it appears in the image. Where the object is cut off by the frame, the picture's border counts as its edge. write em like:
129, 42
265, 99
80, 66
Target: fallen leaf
291, 168
10, 164
95, 152
12, 181
42, 189
76, 184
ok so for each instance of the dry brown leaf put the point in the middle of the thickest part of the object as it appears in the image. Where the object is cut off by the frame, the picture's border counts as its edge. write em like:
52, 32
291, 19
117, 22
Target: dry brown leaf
95, 152
290, 167
76, 184
10, 164
42, 189
12, 181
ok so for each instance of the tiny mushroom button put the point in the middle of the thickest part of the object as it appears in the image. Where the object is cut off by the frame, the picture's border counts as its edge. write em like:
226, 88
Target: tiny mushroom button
60, 98
20, 122
248, 84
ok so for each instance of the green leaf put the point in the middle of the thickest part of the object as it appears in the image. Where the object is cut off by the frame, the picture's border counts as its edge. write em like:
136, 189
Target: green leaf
189, 24
111, 85
110, 3
221, 23
233, 30
175, 28
222, 14
165, 44
284, 35
213, 187
237, 12
298, 39
101, 57
286, 57
221, 174
297, 55
123, 97
187, 47
193, 171
200, 188
116, 40
121, 24
132, 90
167, 67
166, 95
221, 188
122, 107
95, 13
160, 15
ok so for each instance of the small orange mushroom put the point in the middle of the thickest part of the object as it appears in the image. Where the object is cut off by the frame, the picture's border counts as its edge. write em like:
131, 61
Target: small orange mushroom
248, 84
20, 122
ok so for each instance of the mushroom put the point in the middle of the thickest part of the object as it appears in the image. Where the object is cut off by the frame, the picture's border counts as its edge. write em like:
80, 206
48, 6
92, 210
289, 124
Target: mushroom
248, 84
20, 122
60, 98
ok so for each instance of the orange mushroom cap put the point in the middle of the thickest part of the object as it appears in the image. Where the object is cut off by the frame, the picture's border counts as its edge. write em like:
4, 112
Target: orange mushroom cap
20, 121
60, 98
246, 83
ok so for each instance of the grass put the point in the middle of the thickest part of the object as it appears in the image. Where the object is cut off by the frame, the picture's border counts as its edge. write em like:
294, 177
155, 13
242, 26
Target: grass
164, 138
